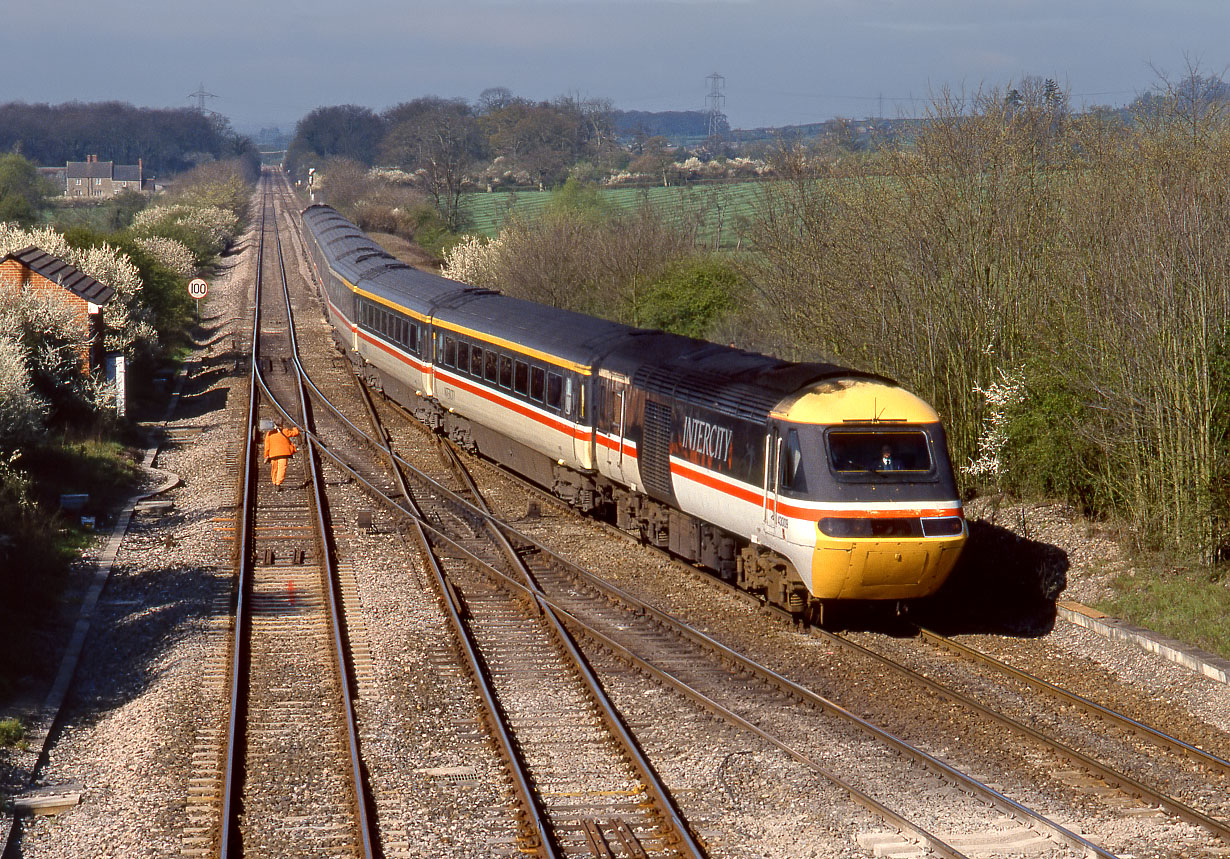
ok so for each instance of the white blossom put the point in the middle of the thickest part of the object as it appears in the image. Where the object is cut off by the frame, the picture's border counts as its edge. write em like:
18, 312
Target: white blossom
171, 253
1001, 398
474, 259
21, 410
213, 226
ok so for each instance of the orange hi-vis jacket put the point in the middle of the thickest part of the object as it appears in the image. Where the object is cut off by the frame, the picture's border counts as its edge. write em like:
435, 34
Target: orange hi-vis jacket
278, 442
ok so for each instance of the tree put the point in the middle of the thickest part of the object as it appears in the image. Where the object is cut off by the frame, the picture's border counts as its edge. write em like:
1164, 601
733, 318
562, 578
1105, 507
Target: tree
495, 98
23, 193
345, 131
656, 158
438, 139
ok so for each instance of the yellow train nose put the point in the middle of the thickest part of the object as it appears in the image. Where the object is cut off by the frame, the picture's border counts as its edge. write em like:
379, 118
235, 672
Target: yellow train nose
882, 569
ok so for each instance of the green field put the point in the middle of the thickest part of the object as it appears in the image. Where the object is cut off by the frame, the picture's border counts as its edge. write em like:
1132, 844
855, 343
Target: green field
719, 213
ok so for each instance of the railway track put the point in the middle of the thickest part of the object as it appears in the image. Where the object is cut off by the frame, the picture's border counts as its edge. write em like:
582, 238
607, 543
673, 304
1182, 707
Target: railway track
1098, 744
717, 673
584, 787
292, 783
1104, 757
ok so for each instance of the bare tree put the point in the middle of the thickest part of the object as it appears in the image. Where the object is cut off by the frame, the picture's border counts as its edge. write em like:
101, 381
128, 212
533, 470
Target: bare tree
438, 139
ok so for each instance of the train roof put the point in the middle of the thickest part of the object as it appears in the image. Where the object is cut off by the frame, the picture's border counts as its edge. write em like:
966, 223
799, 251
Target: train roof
351, 253
572, 337
370, 268
731, 381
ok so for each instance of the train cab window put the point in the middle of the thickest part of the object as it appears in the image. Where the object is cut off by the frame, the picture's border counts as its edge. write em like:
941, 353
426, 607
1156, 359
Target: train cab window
450, 352
491, 368
793, 477
538, 380
506, 371
521, 378
879, 452
555, 390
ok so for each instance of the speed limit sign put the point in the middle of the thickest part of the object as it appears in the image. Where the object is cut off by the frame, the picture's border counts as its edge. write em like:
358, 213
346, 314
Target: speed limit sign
198, 288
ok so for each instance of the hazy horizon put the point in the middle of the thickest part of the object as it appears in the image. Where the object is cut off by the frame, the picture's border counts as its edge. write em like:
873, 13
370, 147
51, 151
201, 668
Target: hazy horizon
785, 62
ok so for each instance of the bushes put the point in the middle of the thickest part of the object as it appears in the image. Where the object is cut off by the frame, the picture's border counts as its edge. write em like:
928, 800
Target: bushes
21, 411
691, 296
1093, 252
205, 230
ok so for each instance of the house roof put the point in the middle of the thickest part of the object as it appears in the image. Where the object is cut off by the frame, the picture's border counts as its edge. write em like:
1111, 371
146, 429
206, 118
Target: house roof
127, 173
90, 169
58, 271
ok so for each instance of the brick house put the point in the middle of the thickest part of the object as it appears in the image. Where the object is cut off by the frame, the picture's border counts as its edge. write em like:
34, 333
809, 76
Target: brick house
32, 270
94, 178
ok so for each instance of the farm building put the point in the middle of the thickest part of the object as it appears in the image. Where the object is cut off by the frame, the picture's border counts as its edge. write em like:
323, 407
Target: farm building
94, 178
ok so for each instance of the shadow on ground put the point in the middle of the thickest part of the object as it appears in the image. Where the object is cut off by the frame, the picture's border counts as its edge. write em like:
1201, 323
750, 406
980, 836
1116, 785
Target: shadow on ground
1003, 584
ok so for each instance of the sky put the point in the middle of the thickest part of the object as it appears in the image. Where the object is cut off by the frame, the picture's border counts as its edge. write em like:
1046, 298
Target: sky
783, 62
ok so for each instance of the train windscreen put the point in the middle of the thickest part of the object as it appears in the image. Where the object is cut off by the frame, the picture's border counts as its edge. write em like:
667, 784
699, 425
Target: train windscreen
879, 451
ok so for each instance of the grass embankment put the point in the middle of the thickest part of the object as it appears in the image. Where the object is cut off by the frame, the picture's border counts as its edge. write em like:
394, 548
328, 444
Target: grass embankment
40, 540
1184, 604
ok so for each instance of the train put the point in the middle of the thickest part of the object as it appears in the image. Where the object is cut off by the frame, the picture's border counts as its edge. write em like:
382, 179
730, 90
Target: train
809, 484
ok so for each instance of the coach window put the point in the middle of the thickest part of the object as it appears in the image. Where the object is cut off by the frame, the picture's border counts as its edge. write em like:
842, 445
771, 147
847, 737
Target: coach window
416, 338
568, 396
538, 379
463, 356
555, 390
506, 371
521, 378
450, 352
476, 362
491, 368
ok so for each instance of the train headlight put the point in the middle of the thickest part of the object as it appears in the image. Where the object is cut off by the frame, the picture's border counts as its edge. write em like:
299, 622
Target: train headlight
844, 528
847, 527
943, 526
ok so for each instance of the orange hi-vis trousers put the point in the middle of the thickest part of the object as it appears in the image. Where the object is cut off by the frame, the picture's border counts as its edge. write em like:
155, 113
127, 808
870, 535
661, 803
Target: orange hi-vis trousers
277, 469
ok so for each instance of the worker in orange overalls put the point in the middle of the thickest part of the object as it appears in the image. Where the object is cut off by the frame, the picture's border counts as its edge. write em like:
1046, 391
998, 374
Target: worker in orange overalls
278, 450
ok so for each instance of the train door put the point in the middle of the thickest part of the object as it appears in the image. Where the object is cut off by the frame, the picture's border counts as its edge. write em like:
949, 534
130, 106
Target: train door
611, 423
771, 523
574, 409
